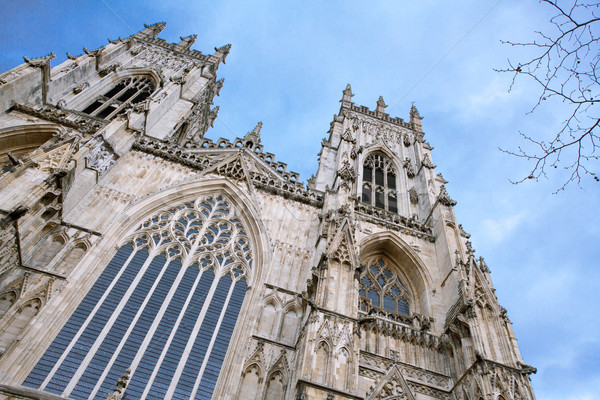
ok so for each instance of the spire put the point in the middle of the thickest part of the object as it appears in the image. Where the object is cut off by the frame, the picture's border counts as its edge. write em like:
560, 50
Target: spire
415, 118
252, 139
222, 52
347, 94
187, 42
380, 106
152, 30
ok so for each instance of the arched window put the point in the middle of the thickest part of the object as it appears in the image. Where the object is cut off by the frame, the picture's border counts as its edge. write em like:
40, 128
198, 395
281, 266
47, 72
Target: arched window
382, 292
22, 140
127, 91
165, 308
379, 182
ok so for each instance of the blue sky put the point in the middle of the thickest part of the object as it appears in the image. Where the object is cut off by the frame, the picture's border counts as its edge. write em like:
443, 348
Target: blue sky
291, 60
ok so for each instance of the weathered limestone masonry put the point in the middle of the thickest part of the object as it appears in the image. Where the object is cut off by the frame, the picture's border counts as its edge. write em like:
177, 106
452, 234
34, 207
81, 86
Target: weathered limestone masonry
140, 259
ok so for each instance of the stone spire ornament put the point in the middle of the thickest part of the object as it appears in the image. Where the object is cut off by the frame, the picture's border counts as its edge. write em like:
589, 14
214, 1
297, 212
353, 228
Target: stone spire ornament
187, 42
347, 94
415, 118
252, 139
380, 106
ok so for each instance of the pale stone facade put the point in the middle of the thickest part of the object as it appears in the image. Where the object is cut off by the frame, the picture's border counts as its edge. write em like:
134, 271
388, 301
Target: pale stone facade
360, 283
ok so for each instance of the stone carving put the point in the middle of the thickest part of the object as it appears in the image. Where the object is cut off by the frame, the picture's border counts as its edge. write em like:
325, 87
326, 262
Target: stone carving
412, 194
406, 140
410, 172
347, 175
79, 121
252, 138
427, 162
107, 70
347, 136
9, 255
444, 198
41, 61
410, 226
101, 158
121, 386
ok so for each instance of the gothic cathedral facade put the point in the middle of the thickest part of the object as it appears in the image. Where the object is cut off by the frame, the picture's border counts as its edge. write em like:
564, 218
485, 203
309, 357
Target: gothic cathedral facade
140, 259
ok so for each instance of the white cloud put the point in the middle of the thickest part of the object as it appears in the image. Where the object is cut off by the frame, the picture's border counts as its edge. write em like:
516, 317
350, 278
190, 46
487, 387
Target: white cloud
496, 230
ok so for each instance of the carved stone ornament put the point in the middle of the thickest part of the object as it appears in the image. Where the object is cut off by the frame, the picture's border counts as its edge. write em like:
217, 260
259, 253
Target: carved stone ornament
252, 138
414, 197
410, 172
406, 140
347, 136
100, 159
427, 162
347, 174
121, 386
107, 70
444, 198
81, 87
41, 61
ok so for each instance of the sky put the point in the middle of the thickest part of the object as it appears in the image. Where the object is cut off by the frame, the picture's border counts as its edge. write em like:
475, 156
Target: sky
290, 61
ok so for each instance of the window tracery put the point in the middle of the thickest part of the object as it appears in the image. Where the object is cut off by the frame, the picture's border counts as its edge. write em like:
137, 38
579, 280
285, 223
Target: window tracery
382, 292
173, 292
124, 93
379, 182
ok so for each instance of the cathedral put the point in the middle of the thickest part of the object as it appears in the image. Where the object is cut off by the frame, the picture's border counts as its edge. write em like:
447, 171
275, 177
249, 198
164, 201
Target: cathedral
140, 259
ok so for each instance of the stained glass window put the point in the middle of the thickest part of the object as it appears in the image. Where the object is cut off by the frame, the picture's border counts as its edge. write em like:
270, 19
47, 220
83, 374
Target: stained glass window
381, 291
164, 308
379, 188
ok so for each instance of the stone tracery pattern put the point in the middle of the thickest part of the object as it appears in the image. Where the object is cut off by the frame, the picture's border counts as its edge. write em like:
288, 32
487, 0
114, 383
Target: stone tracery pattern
207, 231
379, 182
382, 290
178, 271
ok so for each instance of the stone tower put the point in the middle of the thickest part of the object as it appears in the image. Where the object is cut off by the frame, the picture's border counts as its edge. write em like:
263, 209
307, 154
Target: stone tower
141, 259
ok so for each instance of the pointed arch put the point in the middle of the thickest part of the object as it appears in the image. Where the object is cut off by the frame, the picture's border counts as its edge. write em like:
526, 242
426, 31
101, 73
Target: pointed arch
7, 299
19, 322
275, 386
409, 264
103, 89
290, 321
251, 382
22, 140
322, 361
379, 177
145, 250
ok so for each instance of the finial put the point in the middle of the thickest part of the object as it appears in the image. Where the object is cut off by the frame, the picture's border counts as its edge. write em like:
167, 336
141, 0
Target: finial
253, 138
224, 50
415, 117
154, 29
347, 94
187, 42
380, 105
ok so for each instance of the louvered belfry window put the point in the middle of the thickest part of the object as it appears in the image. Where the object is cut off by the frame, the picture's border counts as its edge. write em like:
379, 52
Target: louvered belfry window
126, 92
382, 292
379, 182
164, 308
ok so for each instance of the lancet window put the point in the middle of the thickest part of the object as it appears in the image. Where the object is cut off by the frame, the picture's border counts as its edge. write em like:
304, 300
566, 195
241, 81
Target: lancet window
382, 292
126, 92
379, 182
164, 310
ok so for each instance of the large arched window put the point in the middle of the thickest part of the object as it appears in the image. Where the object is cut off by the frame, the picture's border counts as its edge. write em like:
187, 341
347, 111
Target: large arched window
164, 309
127, 91
382, 292
22, 140
379, 182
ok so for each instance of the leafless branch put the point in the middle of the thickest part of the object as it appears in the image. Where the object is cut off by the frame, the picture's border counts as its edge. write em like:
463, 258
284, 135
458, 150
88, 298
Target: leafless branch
566, 68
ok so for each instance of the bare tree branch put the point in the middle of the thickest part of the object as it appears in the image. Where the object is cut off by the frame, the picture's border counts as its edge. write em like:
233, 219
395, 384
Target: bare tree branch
566, 68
